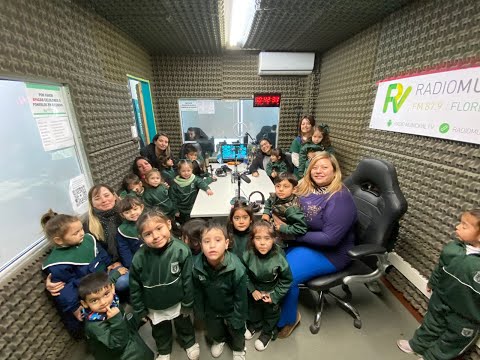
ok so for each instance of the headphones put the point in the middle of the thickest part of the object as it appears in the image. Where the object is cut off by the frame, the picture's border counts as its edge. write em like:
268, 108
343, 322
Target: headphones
220, 172
257, 204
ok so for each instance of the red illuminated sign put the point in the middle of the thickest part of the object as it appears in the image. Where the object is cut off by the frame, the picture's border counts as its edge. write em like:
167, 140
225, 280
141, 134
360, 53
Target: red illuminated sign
266, 100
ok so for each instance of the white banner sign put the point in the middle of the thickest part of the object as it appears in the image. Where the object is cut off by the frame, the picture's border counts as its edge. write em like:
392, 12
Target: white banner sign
444, 105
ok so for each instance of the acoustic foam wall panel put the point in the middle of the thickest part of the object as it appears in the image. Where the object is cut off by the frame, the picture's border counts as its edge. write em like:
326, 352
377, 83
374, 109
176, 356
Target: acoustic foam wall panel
61, 42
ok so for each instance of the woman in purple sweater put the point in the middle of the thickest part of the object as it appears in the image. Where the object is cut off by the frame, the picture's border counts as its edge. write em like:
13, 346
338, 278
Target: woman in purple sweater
330, 214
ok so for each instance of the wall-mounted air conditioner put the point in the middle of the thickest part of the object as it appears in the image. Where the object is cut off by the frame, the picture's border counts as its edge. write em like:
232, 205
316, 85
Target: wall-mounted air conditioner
285, 63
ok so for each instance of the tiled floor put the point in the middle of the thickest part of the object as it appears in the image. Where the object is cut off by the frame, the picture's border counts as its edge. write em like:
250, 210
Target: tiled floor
384, 321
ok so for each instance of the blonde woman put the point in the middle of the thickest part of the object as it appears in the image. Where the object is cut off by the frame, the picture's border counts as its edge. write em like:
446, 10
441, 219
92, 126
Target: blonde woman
330, 214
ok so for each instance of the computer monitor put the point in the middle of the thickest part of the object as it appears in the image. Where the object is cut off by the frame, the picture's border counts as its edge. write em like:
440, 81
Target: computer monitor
234, 151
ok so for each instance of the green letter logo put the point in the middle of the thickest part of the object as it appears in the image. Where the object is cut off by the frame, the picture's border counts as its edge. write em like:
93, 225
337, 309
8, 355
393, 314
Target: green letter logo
397, 100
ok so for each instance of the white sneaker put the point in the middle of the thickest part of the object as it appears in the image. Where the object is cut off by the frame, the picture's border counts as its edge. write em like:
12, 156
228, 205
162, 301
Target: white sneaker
262, 342
239, 355
193, 352
163, 357
217, 349
249, 333
404, 345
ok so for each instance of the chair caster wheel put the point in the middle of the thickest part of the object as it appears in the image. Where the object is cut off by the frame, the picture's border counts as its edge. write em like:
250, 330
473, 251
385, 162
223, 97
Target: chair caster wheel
357, 323
314, 329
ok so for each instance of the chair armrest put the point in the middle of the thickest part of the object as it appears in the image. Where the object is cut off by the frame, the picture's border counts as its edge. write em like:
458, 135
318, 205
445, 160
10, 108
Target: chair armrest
360, 251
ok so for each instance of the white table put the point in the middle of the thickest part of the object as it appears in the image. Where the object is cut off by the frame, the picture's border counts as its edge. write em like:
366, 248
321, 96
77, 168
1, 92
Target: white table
224, 190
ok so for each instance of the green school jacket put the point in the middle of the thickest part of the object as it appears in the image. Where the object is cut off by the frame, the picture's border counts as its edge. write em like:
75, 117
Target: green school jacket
183, 197
278, 166
117, 339
290, 212
161, 278
270, 273
240, 242
159, 197
456, 279
221, 292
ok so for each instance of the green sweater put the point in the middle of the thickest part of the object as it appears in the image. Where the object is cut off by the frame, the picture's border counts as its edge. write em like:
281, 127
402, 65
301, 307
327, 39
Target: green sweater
456, 279
278, 167
290, 212
159, 197
303, 158
221, 292
269, 272
117, 338
240, 242
161, 278
184, 192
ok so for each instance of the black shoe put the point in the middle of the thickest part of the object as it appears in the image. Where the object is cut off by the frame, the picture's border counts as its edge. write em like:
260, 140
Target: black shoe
249, 332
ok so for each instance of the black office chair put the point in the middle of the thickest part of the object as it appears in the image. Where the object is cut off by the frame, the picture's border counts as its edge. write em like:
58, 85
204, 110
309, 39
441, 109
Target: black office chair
288, 161
380, 205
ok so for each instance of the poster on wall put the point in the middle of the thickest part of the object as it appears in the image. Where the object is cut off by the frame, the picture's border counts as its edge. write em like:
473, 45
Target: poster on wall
48, 108
444, 105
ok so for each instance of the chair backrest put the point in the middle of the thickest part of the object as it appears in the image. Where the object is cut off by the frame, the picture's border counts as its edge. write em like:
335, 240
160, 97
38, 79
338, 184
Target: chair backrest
288, 161
380, 202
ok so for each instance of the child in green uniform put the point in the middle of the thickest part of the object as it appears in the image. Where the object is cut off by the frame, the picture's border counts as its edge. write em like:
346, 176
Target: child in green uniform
277, 164
111, 334
161, 284
220, 285
157, 193
452, 323
285, 206
239, 227
131, 186
269, 280
167, 169
184, 190
320, 142
198, 164
127, 239
192, 234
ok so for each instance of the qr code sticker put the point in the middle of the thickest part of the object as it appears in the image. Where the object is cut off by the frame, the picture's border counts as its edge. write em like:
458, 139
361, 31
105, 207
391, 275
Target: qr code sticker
80, 195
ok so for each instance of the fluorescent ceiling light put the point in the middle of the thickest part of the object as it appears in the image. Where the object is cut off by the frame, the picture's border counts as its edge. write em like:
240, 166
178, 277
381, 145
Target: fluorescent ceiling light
239, 19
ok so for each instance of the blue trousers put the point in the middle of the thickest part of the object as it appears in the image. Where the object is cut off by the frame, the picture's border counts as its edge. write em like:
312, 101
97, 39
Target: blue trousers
305, 263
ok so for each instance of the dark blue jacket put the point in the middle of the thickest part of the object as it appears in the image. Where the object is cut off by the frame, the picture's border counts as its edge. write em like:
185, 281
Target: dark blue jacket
127, 247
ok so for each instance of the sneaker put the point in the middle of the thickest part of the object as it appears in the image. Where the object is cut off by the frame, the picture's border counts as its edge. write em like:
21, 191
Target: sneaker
239, 355
262, 342
163, 357
193, 352
217, 349
288, 329
404, 345
249, 332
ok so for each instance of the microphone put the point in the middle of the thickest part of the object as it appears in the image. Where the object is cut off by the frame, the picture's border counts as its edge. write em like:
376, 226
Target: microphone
245, 178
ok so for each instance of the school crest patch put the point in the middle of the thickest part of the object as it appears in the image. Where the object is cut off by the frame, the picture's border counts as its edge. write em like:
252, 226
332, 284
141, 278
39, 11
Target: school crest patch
466, 332
174, 267
476, 277
201, 278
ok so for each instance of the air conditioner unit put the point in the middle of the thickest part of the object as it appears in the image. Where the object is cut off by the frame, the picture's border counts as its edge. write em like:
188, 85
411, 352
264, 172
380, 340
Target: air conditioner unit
285, 63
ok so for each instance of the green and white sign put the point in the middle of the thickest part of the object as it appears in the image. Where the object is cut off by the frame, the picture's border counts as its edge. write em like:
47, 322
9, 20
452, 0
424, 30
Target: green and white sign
445, 105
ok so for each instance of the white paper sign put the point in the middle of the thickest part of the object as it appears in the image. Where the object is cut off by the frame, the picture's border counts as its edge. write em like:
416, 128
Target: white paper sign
443, 105
206, 107
188, 105
55, 132
46, 100
77, 190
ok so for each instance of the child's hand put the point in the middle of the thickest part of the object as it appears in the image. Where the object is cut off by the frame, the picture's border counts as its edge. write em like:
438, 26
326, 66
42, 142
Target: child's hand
53, 288
78, 313
266, 298
429, 290
257, 295
114, 265
255, 174
273, 174
209, 192
166, 185
266, 217
177, 214
111, 312
122, 270
214, 178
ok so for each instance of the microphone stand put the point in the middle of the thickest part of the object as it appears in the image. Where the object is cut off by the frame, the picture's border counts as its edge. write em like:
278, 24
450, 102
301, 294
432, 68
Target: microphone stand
236, 177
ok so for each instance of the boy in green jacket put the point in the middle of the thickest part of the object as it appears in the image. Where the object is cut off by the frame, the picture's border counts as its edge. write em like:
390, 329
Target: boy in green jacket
184, 190
277, 164
285, 206
220, 284
161, 284
110, 334
452, 322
